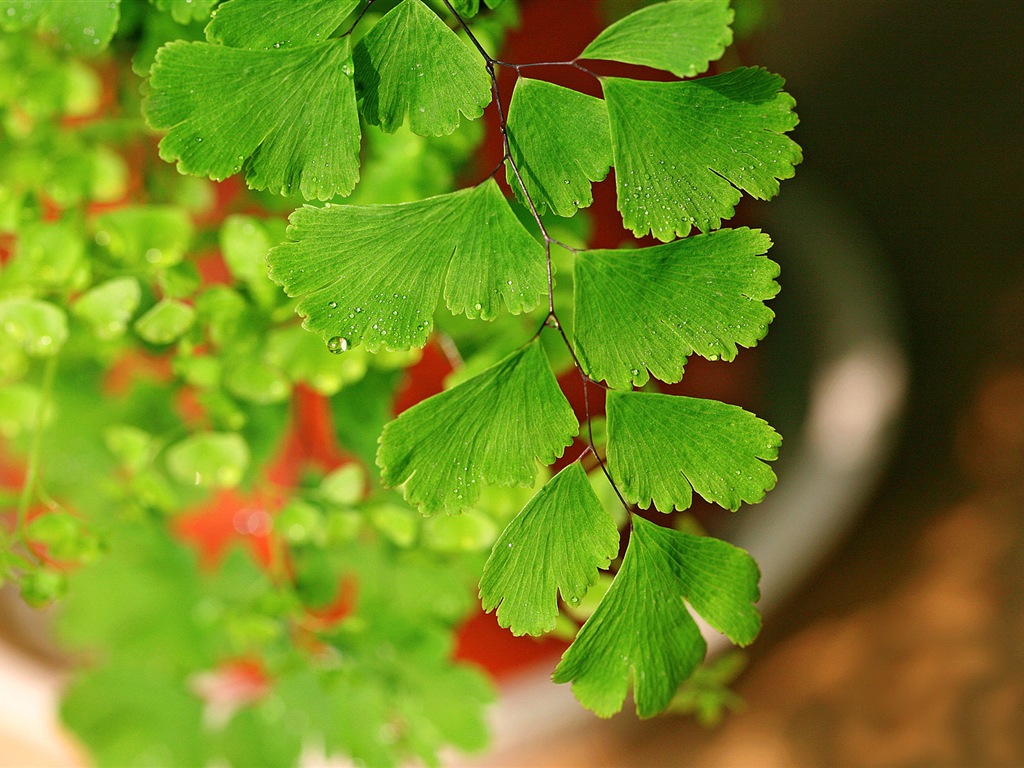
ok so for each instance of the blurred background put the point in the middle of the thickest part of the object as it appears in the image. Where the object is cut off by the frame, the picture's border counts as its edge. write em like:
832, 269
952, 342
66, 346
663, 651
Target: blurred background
905, 647
905, 644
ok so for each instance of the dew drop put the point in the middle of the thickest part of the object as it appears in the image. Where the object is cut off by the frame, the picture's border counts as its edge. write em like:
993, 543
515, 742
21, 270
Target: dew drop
337, 344
332, 304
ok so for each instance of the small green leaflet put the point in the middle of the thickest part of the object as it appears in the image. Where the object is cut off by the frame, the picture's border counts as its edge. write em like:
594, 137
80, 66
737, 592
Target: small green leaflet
372, 274
555, 545
289, 115
38, 327
649, 308
560, 141
661, 448
267, 24
682, 36
643, 625
684, 151
82, 26
186, 11
467, 8
411, 62
493, 428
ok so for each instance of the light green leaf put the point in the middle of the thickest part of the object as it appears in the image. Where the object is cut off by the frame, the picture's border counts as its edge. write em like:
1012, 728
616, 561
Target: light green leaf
81, 26
560, 142
642, 625
344, 486
442, 446
187, 11
212, 459
682, 36
272, 24
255, 381
372, 274
411, 62
468, 8
684, 150
165, 321
49, 256
287, 117
38, 328
109, 306
649, 308
555, 545
19, 406
150, 236
663, 447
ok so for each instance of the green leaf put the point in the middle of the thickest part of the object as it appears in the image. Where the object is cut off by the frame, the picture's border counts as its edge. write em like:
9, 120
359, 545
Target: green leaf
411, 62
127, 715
260, 734
213, 459
649, 308
165, 321
49, 256
187, 11
682, 36
663, 447
81, 26
150, 236
684, 150
344, 486
19, 405
469, 8
555, 545
257, 382
560, 142
492, 428
109, 306
643, 626
37, 327
272, 24
372, 274
288, 115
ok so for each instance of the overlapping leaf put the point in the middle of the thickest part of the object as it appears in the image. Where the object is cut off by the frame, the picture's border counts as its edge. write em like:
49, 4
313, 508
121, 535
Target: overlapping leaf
287, 117
643, 625
492, 428
186, 11
412, 63
681, 36
560, 142
80, 26
683, 151
469, 8
661, 448
373, 274
265, 24
648, 309
555, 545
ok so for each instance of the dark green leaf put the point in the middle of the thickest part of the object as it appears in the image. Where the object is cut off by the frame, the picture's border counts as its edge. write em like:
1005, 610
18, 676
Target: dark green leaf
554, 546
682, 36
663, 447
372, 274
491, 428
684, 150
642, 626
272, 24
649, 308
288, 115
560, 142
412, 63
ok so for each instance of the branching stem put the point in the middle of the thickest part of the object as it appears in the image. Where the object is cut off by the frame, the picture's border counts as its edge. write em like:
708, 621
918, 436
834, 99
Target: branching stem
552, 317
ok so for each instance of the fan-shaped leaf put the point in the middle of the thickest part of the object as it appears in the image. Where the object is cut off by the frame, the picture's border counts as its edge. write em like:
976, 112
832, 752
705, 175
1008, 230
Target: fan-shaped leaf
286, 117
411, 62
682, 36
80, 26
373, 274
684, 151
661, 448
560, 142
492, 428
266, 24
648, 309
643, 626
554, 545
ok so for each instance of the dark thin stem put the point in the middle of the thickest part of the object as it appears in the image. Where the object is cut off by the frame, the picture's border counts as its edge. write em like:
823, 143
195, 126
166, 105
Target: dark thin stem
552, 317
574, 63
359, 18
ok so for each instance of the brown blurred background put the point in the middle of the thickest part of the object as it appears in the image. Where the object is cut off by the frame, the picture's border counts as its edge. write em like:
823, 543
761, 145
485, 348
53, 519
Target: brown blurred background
906, 646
